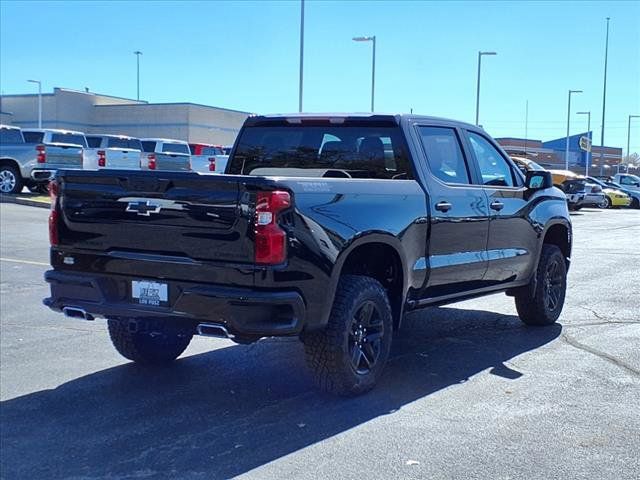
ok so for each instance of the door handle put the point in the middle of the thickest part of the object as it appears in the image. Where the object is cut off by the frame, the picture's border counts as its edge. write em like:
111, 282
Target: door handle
497, 206
443, 206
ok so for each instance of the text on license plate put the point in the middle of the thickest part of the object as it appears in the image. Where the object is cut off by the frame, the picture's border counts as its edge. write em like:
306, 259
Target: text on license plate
149, 293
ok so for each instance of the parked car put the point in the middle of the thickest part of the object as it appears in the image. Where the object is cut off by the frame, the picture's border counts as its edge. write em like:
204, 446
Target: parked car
207, 158
634, 195
112, 151
627, 180
573, 185
42, 152
328, 228
615, 197
526, 165
165, 154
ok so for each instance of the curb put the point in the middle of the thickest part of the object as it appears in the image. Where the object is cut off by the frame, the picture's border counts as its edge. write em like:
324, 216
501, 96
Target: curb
24, 201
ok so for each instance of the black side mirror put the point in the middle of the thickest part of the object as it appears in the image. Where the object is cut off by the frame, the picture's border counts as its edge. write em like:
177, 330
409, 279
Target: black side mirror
538, 180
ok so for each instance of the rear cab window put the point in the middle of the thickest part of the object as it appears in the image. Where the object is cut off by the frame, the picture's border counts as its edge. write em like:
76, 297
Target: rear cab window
128, 143
94, 142
175, 148
10, 136
344, 149
69, 139
33, 137
148, 146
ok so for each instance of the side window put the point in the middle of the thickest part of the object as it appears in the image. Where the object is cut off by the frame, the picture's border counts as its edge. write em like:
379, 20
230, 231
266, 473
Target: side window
444, 154
494, 169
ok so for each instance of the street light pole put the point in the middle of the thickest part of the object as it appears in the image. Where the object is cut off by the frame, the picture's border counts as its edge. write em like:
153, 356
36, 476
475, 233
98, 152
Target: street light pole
137, 53
480, 54
301, 54
588, 159
373, 65
566, 151
629, 138
39, 101
604, 97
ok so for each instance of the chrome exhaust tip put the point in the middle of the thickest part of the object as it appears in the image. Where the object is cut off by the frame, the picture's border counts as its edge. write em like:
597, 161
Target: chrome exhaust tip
76, 312
213, 330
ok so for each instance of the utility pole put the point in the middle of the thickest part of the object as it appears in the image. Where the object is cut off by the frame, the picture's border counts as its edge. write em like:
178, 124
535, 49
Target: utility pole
604, 98
566, 151
137, 53
39, 101
301, 54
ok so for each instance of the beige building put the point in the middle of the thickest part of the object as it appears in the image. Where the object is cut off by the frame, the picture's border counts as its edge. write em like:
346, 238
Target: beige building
95, 113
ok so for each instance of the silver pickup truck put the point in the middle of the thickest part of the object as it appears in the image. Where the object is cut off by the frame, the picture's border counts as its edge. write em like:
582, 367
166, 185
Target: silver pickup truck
16, 160
165, 154
56, 149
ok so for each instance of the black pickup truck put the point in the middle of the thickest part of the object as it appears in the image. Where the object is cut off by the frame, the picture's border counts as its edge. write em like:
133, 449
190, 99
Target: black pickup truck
325, 227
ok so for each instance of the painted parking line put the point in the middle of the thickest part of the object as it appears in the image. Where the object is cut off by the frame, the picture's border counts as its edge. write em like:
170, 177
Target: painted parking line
26, 262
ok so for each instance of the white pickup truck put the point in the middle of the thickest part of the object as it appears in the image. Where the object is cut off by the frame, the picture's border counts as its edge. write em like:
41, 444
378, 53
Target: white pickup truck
207, 158
112, 151
165, 154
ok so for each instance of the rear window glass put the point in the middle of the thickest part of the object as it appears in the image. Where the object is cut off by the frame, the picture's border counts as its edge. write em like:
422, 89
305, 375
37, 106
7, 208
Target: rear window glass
175, 148
94, 142
33, 137
148, 146
130, 143
10, 135
211, 151
357, 151
69, 138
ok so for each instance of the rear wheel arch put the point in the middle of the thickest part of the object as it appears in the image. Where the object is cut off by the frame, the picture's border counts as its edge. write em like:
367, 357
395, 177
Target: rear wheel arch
379, 257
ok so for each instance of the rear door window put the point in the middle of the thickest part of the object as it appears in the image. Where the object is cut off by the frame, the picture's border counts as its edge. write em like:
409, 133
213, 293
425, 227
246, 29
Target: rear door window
494, 169
33, 137
444, 154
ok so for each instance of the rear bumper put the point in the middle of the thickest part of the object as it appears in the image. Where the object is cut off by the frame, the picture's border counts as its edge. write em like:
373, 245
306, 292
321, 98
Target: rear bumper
244, 312
575, 198
46, 174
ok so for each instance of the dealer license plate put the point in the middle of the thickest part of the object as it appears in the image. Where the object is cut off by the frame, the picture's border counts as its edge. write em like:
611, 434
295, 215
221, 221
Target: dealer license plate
149, 293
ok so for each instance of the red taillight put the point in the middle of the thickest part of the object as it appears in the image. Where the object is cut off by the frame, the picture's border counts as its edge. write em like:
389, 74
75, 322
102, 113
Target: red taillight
102, 159
151, 161
212, 164
42, 153
53, 214
271, 240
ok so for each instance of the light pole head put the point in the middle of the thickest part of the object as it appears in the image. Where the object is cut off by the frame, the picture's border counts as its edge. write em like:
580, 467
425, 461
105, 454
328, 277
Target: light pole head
34, 81
488, 53
363, 39
583, 113
574, 91
137, 52
634, 116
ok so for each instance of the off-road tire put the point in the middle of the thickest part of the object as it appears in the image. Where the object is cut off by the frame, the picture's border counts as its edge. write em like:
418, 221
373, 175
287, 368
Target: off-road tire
7, 172
533, 303
331, 353
156, 343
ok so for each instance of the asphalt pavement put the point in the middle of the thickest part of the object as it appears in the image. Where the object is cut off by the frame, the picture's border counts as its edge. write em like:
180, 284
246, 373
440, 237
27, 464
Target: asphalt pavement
469, 393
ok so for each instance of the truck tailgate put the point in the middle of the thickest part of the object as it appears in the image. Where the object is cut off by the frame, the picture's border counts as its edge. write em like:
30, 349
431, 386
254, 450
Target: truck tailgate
185, 215
173, 161
63, 156
126, 159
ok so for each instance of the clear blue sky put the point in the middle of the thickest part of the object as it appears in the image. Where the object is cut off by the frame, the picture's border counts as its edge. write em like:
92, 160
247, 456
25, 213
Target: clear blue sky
244, 55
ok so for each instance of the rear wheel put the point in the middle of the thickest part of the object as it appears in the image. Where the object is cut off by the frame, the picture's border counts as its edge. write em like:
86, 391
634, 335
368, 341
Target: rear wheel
10, 179
541, 302
348, 356
151, 343
635, 203
606, 203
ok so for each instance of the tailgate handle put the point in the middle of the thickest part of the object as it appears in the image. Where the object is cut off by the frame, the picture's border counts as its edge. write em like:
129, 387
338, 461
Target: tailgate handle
497, 205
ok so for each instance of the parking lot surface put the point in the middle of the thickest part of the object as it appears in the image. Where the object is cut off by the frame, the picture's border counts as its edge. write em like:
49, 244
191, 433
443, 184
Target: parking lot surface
469, 392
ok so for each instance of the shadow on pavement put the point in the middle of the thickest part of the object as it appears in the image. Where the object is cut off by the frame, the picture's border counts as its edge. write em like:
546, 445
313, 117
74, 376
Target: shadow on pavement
225, 412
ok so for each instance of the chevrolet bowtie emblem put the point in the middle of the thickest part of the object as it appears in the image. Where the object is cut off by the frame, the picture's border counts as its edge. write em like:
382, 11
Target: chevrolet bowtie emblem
144, 208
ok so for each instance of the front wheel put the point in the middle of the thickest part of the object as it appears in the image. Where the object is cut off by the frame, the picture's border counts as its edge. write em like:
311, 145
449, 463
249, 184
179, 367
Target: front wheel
348, 356
606, 203
156, 343
541, 302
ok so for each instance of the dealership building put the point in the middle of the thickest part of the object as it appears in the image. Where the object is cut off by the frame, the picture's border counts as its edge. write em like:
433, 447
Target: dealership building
551, 153
96, 113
